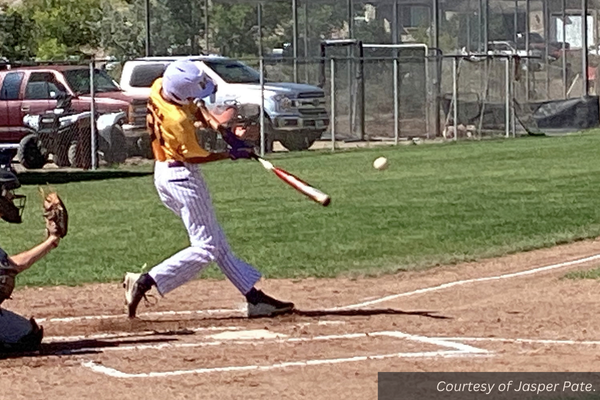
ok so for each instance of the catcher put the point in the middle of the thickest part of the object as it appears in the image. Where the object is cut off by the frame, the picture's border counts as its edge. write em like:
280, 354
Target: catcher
17, 333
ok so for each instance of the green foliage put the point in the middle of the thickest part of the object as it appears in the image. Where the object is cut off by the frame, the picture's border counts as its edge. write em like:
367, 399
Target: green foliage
372, 32
62, 26
323, 21
120, 28
58, 29
51, 49
16, 34
586, 274
235, 30
448, 35
176, 27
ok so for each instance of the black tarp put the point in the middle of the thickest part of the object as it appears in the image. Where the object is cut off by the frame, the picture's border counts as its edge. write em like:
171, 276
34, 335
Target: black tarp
546, 117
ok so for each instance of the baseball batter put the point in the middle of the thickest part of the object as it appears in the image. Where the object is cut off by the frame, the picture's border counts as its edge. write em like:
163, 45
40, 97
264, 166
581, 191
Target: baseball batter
173, 118
17, 333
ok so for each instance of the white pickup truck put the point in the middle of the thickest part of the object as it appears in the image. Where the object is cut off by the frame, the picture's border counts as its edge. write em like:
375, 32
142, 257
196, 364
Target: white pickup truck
295, 114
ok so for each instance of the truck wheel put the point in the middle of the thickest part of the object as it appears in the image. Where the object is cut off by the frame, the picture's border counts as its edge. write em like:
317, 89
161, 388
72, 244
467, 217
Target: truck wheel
144, 147
298, 141
61, 157
270, 137
268, 146
207, 139
31, 155
72, 152
116, 152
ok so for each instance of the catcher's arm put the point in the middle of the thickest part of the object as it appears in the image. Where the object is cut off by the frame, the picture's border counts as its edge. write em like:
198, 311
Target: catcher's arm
26, 259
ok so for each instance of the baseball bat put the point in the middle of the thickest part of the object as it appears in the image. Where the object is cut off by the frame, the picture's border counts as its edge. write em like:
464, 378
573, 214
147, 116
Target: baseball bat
295, 182
292, 180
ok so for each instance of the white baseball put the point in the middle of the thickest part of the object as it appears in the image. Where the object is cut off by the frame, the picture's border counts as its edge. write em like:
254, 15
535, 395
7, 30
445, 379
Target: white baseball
381, 163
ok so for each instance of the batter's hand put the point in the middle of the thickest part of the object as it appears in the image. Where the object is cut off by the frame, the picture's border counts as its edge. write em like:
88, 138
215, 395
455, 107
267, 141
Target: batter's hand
241, 152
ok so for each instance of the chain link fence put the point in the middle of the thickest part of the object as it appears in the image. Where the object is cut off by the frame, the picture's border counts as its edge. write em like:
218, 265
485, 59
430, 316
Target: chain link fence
432, 69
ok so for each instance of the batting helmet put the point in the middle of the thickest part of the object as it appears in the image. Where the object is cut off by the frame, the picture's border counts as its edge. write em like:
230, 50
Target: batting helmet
183, 81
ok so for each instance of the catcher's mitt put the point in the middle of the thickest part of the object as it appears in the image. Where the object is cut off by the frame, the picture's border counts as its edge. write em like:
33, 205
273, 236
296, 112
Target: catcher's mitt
55, 214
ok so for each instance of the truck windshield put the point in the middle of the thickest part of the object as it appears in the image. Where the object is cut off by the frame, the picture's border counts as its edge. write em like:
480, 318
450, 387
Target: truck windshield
232, 71
79, 80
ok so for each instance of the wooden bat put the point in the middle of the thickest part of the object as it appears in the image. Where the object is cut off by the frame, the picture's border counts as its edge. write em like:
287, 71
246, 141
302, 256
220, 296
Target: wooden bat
295, 182
292, 180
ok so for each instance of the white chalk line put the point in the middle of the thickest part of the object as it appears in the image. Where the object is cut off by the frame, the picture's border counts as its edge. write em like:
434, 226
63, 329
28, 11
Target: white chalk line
458, 350
245, 342
441, 341
466, 281
522, 340
347, 307
127, 334
119, 374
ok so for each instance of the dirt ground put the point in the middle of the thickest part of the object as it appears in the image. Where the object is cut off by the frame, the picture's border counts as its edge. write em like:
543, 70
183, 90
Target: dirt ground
515, 313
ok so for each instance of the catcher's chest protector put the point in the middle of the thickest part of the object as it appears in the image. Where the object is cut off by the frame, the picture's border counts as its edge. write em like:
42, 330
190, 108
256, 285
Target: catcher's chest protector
7, 277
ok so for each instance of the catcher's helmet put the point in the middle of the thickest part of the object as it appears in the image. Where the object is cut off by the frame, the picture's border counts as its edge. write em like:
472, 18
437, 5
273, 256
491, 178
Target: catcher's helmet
11, 204
183, 81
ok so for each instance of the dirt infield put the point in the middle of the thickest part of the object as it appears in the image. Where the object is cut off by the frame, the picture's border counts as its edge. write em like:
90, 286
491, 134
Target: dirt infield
515, 313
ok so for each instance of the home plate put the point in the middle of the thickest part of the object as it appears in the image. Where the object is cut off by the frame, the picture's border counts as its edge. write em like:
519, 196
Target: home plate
247, 335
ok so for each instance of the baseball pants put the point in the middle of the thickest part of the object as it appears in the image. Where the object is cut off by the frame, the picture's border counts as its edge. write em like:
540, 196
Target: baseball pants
183, 190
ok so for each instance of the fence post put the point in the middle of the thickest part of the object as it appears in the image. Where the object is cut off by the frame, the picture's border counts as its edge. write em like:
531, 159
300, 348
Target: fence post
262, 106
396, 105
332, 121
427, 97
455, 95
93, 114
507, 100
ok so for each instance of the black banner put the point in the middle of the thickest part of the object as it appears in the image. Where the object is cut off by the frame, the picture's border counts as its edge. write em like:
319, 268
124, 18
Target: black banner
488, 385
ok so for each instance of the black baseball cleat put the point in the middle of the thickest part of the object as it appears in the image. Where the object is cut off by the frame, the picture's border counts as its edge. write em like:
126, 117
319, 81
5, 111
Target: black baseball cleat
262, 305
136, 286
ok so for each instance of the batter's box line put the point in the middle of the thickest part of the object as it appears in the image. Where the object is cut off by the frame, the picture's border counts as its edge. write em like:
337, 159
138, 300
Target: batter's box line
346, 307
524, 340
457, 350
467, 281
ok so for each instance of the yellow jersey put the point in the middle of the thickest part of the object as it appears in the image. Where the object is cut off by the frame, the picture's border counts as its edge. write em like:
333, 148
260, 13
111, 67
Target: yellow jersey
171, 128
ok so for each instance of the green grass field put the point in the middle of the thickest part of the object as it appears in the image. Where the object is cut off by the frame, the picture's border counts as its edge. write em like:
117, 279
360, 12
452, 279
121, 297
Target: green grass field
593, 273
436, 204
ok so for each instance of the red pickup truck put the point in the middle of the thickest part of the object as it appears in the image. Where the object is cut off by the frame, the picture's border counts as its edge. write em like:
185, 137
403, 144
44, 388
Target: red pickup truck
33, 90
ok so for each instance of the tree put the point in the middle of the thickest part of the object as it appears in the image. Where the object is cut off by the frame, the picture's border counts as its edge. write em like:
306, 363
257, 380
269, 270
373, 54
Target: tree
120, 30
234, 29
61, 27
16, 34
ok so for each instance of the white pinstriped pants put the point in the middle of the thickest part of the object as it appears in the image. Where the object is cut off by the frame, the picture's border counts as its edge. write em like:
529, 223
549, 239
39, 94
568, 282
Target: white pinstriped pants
182, 189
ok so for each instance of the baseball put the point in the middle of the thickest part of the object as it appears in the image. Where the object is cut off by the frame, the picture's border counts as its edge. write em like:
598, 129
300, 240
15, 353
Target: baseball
381, 163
